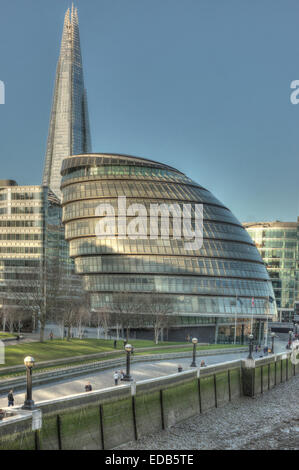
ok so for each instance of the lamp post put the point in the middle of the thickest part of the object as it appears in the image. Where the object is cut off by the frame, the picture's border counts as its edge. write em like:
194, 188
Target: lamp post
290, 339
29, 403
194, 341
127, 377
250, 346
272, 347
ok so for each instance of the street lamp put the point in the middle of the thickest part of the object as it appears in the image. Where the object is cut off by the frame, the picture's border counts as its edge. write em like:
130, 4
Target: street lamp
194, 341
250, 346
272, 347
290, 339
127, 377
29, 403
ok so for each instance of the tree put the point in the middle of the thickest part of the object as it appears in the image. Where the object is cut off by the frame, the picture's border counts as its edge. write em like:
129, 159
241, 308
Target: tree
72, 307
102, 319
160, 310
38, 295
14, 318
126, 308
49, 292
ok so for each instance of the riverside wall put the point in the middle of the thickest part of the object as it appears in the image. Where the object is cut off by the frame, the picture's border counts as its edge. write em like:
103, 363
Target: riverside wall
105, 419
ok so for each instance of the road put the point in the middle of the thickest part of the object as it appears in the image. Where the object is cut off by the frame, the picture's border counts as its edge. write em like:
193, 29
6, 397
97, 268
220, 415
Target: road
139, 371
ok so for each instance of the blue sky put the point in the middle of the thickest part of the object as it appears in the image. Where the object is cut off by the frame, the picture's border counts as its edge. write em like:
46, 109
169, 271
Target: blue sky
202, 85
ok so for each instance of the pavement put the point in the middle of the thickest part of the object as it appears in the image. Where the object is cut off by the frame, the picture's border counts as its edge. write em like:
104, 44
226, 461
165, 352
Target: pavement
139, 371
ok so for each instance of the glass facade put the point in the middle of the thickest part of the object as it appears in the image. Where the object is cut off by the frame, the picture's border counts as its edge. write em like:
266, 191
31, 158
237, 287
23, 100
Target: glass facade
225, 279
278, 244
31, 238
69, 125
22, 220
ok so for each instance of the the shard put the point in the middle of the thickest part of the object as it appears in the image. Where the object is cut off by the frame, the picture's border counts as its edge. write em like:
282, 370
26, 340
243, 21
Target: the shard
69, 124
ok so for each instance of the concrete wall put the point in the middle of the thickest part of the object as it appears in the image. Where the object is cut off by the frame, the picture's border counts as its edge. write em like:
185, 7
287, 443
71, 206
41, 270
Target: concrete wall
106, 418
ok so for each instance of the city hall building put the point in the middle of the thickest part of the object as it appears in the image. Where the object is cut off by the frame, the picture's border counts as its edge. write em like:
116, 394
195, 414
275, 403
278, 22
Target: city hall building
214, 288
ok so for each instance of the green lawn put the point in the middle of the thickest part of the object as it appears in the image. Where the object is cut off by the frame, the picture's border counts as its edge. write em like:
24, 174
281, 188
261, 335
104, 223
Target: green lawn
7, 335
57, 349
190, 347
117, 355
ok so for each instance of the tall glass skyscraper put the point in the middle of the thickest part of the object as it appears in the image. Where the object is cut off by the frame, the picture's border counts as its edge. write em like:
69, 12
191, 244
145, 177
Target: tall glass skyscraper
69, 124
278, 244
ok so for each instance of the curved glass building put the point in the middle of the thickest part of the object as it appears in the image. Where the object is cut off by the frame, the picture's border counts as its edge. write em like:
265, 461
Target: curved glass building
214, 289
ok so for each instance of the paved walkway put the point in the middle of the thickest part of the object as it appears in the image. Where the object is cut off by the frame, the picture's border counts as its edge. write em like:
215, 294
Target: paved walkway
103, 379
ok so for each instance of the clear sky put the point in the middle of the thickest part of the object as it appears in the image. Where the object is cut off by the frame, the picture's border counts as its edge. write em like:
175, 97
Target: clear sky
202, 85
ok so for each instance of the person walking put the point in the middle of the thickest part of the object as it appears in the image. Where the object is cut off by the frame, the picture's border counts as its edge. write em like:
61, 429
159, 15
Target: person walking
116, 377
11, 398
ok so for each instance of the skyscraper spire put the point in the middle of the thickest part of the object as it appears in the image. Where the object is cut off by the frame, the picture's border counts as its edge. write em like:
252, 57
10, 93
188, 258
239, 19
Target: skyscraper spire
69, 123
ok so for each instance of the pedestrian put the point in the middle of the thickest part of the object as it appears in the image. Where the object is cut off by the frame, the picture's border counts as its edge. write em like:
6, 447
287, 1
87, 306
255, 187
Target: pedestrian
11, 398
88, 387
256, 348
202, 364
121, 375
51, 335
115, 344
116, 377
180, 368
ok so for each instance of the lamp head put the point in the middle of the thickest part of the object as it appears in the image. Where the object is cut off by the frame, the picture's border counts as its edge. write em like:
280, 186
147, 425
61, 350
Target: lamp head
194, 340
250, 336
128, 347
29, 361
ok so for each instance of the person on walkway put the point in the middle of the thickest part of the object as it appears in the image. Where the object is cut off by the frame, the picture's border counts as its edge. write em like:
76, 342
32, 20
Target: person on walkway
180, 368
202, 364
121, 375
88, 387
115, 344
116, 377
51, 335
11, 398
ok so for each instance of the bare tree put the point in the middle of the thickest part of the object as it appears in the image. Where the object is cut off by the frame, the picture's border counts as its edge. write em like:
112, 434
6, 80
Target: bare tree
126, 308
38, 295
82, 317
14, 318
160, 312
102, 319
